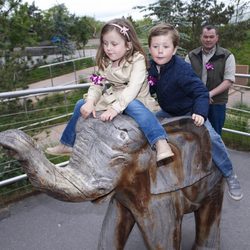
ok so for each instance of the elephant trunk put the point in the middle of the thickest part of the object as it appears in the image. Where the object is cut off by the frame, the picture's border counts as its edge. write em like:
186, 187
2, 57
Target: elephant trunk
62, 183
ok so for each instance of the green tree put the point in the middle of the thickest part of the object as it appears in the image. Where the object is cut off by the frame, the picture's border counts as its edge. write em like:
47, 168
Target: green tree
241, 8
14, 33
60, 22
200, 12
82, 30
170, 11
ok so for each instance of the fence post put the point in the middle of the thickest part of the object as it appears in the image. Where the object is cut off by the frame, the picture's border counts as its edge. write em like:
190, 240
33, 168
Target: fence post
51, 78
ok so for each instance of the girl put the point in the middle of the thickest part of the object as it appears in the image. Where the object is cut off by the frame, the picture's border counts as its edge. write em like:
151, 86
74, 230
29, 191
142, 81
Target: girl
122, 64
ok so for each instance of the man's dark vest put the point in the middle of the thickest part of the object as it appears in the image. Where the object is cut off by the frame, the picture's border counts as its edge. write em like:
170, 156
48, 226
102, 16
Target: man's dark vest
214, 76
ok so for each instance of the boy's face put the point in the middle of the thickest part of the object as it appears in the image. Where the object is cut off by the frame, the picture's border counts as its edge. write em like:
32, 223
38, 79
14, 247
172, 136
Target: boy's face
162, 49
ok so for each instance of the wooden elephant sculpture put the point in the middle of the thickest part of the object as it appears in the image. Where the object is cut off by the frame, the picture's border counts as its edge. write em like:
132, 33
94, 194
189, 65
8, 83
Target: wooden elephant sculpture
114, 158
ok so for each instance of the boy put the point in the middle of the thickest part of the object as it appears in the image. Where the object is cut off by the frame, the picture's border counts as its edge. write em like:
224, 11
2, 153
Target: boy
179, 92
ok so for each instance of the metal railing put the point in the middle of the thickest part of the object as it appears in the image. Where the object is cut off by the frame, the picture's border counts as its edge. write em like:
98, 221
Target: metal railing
31, 92
50, 66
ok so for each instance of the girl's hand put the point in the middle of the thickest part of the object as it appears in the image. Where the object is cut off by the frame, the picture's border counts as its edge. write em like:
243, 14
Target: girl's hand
87, 109
198, 120
108, 115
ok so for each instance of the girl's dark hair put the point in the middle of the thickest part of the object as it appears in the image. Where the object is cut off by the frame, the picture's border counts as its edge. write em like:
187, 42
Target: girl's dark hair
129, 36
164, 29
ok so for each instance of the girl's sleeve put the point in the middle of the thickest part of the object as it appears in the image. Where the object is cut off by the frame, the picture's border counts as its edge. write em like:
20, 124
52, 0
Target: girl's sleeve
95, 91
136, 80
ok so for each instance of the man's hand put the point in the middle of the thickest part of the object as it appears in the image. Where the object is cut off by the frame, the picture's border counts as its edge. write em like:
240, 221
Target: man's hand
210, 98
198, 120
108, 115
87, 109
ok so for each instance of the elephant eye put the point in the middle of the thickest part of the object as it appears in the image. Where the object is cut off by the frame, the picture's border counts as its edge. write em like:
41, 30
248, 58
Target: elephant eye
124, 135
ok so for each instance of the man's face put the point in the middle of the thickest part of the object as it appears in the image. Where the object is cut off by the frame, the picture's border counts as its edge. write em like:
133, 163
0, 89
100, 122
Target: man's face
209, 38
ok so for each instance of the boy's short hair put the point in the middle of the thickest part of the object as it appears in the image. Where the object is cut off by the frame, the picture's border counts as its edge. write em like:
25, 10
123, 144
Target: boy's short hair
164, 29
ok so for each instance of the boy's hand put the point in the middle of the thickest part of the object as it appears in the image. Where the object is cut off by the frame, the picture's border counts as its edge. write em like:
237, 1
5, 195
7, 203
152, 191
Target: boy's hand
198, 120
108, 115
88, 108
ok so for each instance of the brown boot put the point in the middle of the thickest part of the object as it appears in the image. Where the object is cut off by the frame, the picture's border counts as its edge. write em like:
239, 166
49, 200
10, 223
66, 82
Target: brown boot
59, 150
163, 150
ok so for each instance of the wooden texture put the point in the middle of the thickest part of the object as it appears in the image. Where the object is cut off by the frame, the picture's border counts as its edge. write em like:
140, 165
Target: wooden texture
113, 158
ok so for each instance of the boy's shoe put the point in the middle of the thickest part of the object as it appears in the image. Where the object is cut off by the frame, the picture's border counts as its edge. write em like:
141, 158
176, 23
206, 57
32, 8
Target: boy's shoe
59, 150
234, 188
163, 150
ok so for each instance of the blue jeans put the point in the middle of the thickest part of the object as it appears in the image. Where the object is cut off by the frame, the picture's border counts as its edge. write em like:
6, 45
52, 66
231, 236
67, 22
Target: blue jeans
216, 116
146, 120
69, 133
219, 152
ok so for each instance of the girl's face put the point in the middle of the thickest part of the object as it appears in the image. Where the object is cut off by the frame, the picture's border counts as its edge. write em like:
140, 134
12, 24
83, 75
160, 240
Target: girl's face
114, 46
162, 49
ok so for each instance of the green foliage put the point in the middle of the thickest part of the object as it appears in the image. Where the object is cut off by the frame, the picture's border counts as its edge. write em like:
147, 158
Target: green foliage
170, 11
83, 29
201, 12
240, 121
242, 50
13, 72
62, 22
40, 110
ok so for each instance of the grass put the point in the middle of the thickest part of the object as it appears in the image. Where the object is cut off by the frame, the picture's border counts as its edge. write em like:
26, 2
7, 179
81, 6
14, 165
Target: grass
239, 121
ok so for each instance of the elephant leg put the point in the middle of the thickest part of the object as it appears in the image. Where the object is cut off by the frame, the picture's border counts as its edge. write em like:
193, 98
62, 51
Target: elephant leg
207, 219
116, 227
160, 225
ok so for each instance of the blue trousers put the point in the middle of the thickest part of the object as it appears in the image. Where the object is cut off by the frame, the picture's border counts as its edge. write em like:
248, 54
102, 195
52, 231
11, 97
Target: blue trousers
145, 119
219, 152
217, 116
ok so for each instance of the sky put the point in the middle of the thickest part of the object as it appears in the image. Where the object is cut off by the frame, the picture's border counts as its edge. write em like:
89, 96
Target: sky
102, 10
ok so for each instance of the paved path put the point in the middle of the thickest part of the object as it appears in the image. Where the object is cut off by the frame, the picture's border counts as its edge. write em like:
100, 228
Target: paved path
43, 223
64, 79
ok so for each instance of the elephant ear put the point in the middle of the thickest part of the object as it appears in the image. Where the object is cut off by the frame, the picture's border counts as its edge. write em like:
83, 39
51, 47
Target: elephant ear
192, 156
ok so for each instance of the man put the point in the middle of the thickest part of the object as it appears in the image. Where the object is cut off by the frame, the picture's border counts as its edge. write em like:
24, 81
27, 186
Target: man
216, 68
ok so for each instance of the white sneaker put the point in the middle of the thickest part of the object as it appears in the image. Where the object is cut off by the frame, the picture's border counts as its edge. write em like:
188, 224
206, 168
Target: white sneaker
234, 188
59, 150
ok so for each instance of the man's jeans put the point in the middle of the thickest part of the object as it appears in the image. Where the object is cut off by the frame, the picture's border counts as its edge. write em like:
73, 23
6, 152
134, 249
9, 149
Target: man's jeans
146, 120
216, 116
219, 152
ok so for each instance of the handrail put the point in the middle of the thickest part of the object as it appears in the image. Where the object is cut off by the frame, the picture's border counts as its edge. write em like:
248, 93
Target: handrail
24, 176
18, 93
242, 75
57, 63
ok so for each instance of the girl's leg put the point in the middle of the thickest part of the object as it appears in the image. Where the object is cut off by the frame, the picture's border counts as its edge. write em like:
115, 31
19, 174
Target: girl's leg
68, 137
151, 127
69, 133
